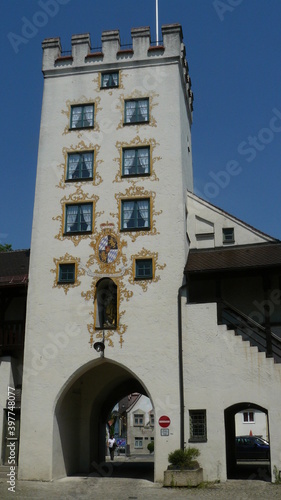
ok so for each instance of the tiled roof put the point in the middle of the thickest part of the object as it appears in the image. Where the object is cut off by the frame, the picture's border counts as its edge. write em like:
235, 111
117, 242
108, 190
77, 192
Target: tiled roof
14, 267
234, 258
136, 398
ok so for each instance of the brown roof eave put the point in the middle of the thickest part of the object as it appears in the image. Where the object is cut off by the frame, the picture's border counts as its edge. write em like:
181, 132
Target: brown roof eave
16, 281
232, 270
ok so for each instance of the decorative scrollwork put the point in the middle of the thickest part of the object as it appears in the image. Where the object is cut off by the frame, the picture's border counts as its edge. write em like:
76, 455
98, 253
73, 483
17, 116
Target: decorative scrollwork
81, 147
67, 259
146, 254
110, 91
107, 247
110, 262
123, 294
138, 95
134, 191
136, 142
82, 100
79, 196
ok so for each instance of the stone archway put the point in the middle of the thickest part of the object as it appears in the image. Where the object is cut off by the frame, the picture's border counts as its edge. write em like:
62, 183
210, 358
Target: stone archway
81, 411
253, 470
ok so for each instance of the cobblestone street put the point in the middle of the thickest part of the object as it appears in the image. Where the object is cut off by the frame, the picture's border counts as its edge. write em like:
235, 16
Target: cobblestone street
136, 489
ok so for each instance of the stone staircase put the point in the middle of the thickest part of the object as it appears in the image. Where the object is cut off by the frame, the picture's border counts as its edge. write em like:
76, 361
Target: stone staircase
251, 331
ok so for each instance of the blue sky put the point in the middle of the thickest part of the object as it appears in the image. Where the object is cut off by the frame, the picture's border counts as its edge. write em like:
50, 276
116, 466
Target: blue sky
233, 50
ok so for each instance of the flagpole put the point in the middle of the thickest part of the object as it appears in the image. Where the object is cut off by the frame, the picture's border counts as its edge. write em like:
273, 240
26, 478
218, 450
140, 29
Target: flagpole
157, 33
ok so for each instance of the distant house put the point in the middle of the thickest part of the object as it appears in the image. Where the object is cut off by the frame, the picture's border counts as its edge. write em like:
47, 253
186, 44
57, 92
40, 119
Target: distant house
140, 425
251, 422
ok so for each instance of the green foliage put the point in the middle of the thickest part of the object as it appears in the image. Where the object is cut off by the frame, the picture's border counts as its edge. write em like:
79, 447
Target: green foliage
5, 248
184, 459
208, 484
150, 446
276, 475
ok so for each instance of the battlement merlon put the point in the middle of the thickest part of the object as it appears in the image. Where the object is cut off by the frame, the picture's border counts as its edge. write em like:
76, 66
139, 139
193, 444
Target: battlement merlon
82, 58
111, 50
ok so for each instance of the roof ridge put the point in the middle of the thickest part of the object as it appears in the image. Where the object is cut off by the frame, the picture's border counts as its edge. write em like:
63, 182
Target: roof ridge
233, 216
237, 247
134, 402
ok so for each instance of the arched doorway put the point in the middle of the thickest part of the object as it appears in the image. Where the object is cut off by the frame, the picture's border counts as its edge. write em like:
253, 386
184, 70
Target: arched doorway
81, 414
245, 465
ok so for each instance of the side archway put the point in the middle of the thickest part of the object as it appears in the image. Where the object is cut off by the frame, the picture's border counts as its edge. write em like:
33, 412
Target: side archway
250, 469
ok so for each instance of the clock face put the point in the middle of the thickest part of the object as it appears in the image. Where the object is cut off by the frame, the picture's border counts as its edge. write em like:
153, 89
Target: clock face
108, 249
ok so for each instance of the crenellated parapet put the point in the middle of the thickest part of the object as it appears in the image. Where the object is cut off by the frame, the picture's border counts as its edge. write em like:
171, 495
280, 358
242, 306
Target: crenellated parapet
83, 58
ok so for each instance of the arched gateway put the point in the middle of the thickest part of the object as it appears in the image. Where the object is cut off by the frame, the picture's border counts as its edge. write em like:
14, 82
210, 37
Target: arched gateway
81, 411
249, 467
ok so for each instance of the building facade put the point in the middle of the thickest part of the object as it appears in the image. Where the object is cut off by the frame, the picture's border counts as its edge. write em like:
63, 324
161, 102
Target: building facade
140, 425
118, 243
110, 198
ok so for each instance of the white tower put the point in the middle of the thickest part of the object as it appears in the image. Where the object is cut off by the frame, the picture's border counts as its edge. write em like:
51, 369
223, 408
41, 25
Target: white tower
109, 246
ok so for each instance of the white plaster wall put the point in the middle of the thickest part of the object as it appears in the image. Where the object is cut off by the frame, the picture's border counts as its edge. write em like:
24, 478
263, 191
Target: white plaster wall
57, 337
221, 370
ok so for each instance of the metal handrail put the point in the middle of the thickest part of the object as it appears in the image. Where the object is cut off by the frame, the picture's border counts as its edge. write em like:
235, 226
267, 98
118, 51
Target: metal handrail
249, 320
12, 334
257, 330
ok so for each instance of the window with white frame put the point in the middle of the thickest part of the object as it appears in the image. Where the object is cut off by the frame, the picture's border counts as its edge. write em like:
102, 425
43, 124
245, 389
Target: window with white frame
136, 111
136, 161
138, 442
78, 218
82, 116
80, 166
138, 419
135, 214
248, 417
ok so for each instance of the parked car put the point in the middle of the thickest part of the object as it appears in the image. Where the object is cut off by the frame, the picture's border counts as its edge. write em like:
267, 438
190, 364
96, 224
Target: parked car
252, 447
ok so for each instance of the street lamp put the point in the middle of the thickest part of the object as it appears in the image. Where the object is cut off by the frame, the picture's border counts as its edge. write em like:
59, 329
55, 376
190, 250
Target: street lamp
100, 347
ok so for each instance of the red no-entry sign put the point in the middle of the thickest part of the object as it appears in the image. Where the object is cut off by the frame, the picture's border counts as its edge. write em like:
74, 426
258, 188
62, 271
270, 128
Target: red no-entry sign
164, 421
